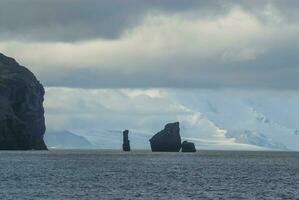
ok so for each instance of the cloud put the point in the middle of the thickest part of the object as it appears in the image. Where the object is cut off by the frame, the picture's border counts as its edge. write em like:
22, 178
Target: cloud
75, 20
220, 44
104, 108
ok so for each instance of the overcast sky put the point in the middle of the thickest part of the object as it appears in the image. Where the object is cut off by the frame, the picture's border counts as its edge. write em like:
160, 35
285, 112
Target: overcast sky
158, 43
220, 67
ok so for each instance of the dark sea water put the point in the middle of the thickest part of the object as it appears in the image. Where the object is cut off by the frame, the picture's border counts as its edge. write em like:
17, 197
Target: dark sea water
145, 175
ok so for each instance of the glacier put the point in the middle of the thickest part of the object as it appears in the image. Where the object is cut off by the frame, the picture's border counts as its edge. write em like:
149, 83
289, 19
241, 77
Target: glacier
212, 119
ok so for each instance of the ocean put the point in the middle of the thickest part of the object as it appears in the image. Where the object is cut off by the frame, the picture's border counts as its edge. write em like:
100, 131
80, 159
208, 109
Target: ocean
112, 174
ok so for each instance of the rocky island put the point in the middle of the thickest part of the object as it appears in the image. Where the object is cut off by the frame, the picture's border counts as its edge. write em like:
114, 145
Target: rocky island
188, 147
22, 122
168, 140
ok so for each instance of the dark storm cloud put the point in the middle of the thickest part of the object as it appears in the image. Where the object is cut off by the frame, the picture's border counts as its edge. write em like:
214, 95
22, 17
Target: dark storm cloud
72, 20
169, 43
278, 69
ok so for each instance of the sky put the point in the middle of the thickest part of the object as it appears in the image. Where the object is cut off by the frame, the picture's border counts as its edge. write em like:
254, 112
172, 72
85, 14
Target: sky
102, 60
143, 44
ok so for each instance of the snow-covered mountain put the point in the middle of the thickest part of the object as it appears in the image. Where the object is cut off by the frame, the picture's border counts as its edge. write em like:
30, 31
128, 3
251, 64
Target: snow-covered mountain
213, 119
62, 139
113, 139
246, 119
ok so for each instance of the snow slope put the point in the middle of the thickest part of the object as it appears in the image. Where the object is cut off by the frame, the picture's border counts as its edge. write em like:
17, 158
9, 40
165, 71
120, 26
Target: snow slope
245, 118
213, 119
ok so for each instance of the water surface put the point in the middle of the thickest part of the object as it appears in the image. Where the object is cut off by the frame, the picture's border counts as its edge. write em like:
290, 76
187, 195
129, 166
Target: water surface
100, 174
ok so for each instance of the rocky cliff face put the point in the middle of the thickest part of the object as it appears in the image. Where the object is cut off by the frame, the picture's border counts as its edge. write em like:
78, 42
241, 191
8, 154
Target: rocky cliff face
22, 123
168, 140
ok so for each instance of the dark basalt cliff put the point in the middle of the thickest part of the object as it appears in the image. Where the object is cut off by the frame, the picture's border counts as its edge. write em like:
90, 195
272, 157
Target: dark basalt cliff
168, 140
22, 122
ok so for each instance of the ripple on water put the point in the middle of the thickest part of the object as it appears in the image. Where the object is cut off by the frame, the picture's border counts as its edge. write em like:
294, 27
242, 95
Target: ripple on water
146, 175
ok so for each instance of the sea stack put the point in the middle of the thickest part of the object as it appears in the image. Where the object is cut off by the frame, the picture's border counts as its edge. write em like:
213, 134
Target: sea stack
126, 141
188, 147
167, 140
22, 122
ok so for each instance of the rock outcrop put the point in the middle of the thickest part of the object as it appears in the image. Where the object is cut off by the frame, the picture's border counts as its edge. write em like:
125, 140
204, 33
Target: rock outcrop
188, 147
126, 141
167, 140
22, 123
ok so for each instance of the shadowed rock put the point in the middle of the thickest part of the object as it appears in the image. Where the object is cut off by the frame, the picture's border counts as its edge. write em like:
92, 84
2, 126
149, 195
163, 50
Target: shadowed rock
22, 123
126, 141
188, 147
168, 140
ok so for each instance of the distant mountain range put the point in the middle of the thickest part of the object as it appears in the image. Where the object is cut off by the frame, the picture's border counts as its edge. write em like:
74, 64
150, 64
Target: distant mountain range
215, 120
64, 139
261, 121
